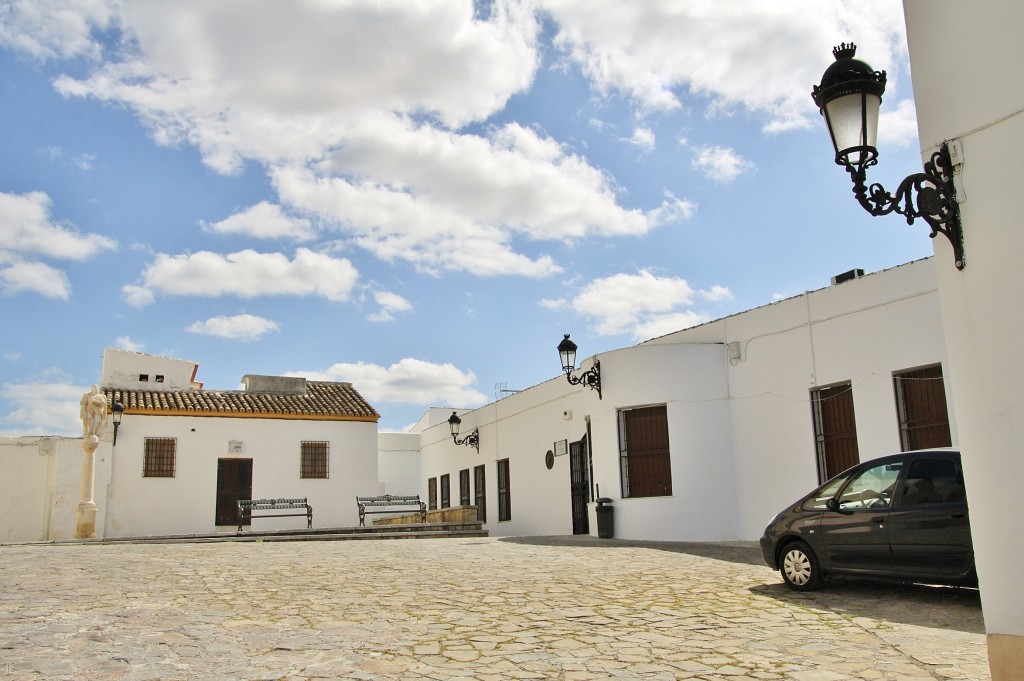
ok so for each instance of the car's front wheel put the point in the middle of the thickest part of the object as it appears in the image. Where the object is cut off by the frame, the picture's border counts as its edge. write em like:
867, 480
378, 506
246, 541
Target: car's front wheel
799, 567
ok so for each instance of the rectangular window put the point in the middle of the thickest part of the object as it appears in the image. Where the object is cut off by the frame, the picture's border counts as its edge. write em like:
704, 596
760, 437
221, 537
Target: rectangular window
446, 491
480, 491
159, 457
504, 492
432, 494
921, 408
464, 487
646, 464
835, 429
314, 460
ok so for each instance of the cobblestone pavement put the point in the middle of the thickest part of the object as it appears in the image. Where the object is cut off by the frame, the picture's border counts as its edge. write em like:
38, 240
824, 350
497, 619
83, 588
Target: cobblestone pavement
459, 609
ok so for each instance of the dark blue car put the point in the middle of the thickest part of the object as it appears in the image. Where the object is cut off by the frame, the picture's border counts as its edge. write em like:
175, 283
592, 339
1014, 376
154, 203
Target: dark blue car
902, 517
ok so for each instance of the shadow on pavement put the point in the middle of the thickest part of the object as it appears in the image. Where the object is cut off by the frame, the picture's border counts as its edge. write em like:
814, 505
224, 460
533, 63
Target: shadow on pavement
731, 551
937, 607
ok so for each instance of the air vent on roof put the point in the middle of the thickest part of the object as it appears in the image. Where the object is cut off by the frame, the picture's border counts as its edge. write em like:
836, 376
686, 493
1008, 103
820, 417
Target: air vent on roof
847, 276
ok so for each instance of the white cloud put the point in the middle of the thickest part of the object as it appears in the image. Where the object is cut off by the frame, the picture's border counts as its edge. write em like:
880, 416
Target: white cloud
47, 29
640, 304
898, 127
758, 56
34, 277
643, 138
246, 274
410, 381
390, 303
720, 163
264, 220
245, 327
126, 343
44, 408
367, 140
553, 304
716, 294
27, 227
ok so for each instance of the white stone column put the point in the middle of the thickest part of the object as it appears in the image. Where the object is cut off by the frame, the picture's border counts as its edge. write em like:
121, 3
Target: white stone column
94, 421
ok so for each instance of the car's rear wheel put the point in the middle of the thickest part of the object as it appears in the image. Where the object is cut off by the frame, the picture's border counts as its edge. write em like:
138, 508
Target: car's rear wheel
799, 567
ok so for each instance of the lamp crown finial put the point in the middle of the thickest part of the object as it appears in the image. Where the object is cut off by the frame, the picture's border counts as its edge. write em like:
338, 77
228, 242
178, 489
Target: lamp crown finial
844, 51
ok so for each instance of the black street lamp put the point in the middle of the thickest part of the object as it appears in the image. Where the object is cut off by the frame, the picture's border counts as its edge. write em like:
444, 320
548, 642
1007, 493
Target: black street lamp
590, 378
471, 440
117, 410
849, 97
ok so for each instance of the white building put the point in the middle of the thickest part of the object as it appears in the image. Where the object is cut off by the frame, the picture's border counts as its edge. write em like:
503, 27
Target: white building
966, 90
706, 433
184, 455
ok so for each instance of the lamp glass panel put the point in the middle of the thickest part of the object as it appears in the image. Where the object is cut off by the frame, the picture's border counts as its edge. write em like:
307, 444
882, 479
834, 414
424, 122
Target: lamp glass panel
568, 359
852, 126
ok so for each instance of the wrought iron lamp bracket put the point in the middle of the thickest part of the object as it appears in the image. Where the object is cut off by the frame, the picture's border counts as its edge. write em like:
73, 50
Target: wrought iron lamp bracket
471, 439
930, 195
590, 378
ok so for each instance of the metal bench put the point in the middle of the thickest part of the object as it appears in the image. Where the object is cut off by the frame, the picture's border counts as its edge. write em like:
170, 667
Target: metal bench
390, 503
247, 506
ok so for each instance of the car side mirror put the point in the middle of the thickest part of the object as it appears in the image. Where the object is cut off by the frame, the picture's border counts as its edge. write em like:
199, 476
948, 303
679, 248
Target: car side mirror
833, 505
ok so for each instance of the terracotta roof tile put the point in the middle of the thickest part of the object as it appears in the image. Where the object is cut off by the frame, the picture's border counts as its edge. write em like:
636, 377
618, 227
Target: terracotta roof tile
322, 400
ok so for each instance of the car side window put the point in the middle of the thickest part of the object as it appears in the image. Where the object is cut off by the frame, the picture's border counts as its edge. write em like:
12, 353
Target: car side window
871, 488
933, 481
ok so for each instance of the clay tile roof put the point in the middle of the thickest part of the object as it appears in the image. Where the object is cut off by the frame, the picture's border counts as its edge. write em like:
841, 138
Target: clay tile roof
323, 400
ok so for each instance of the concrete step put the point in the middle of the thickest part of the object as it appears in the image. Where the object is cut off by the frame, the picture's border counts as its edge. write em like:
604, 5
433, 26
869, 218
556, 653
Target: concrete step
410, 531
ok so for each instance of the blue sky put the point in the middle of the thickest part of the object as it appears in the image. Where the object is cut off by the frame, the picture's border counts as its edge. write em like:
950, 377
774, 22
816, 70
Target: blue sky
417, 197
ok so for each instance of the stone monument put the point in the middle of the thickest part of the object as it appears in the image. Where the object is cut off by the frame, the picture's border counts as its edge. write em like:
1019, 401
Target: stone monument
94, 422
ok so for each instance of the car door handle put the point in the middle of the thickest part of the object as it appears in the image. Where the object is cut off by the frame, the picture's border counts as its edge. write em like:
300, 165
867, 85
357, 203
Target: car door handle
878, 519
959, 515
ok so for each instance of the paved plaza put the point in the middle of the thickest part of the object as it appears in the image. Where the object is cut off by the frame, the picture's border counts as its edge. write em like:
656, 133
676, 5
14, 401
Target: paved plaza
479, 608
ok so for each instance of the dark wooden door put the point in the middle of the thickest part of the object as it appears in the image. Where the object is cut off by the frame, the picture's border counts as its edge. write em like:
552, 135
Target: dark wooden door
480, 493
921, 405
835, 430
234, 482
579, 486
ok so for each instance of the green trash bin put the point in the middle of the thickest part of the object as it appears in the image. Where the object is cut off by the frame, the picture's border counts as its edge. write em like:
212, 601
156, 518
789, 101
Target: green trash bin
605, 518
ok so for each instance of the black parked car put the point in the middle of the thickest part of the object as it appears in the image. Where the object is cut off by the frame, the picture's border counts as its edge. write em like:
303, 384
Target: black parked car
902, 516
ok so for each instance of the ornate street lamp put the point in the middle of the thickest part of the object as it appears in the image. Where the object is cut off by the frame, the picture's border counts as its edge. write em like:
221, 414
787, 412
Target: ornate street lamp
849, 98
471, 440
117, 409
590, 378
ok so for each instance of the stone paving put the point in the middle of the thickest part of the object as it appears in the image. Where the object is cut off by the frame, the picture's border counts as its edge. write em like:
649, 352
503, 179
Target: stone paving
459, 609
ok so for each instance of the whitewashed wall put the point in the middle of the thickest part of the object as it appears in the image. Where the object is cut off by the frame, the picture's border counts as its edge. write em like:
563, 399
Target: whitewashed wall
740, 430
40, 484
398, 463
966, 88
186, 503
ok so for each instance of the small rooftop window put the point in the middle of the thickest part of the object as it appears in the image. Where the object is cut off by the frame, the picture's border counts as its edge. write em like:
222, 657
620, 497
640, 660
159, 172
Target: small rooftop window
143, 378
159, 378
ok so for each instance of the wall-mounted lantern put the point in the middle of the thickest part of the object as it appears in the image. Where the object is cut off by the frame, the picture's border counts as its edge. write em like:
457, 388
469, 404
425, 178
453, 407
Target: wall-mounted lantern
471, 440
117, 410
590, 378
849, 97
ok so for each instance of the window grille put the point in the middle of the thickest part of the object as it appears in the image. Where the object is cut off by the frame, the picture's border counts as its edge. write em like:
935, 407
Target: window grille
835, 429
464, 499
646, 464
921, 408
315, 459
504, 492
159, 457
446, 491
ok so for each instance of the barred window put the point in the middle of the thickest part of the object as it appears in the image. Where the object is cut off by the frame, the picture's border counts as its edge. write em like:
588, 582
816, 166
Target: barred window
480, 492
646, 465
159, 457
432, 494
464, 487
314, 459
504, 492
446, 491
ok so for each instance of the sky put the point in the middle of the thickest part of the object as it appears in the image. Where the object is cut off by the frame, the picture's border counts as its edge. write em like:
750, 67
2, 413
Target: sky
419, 197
